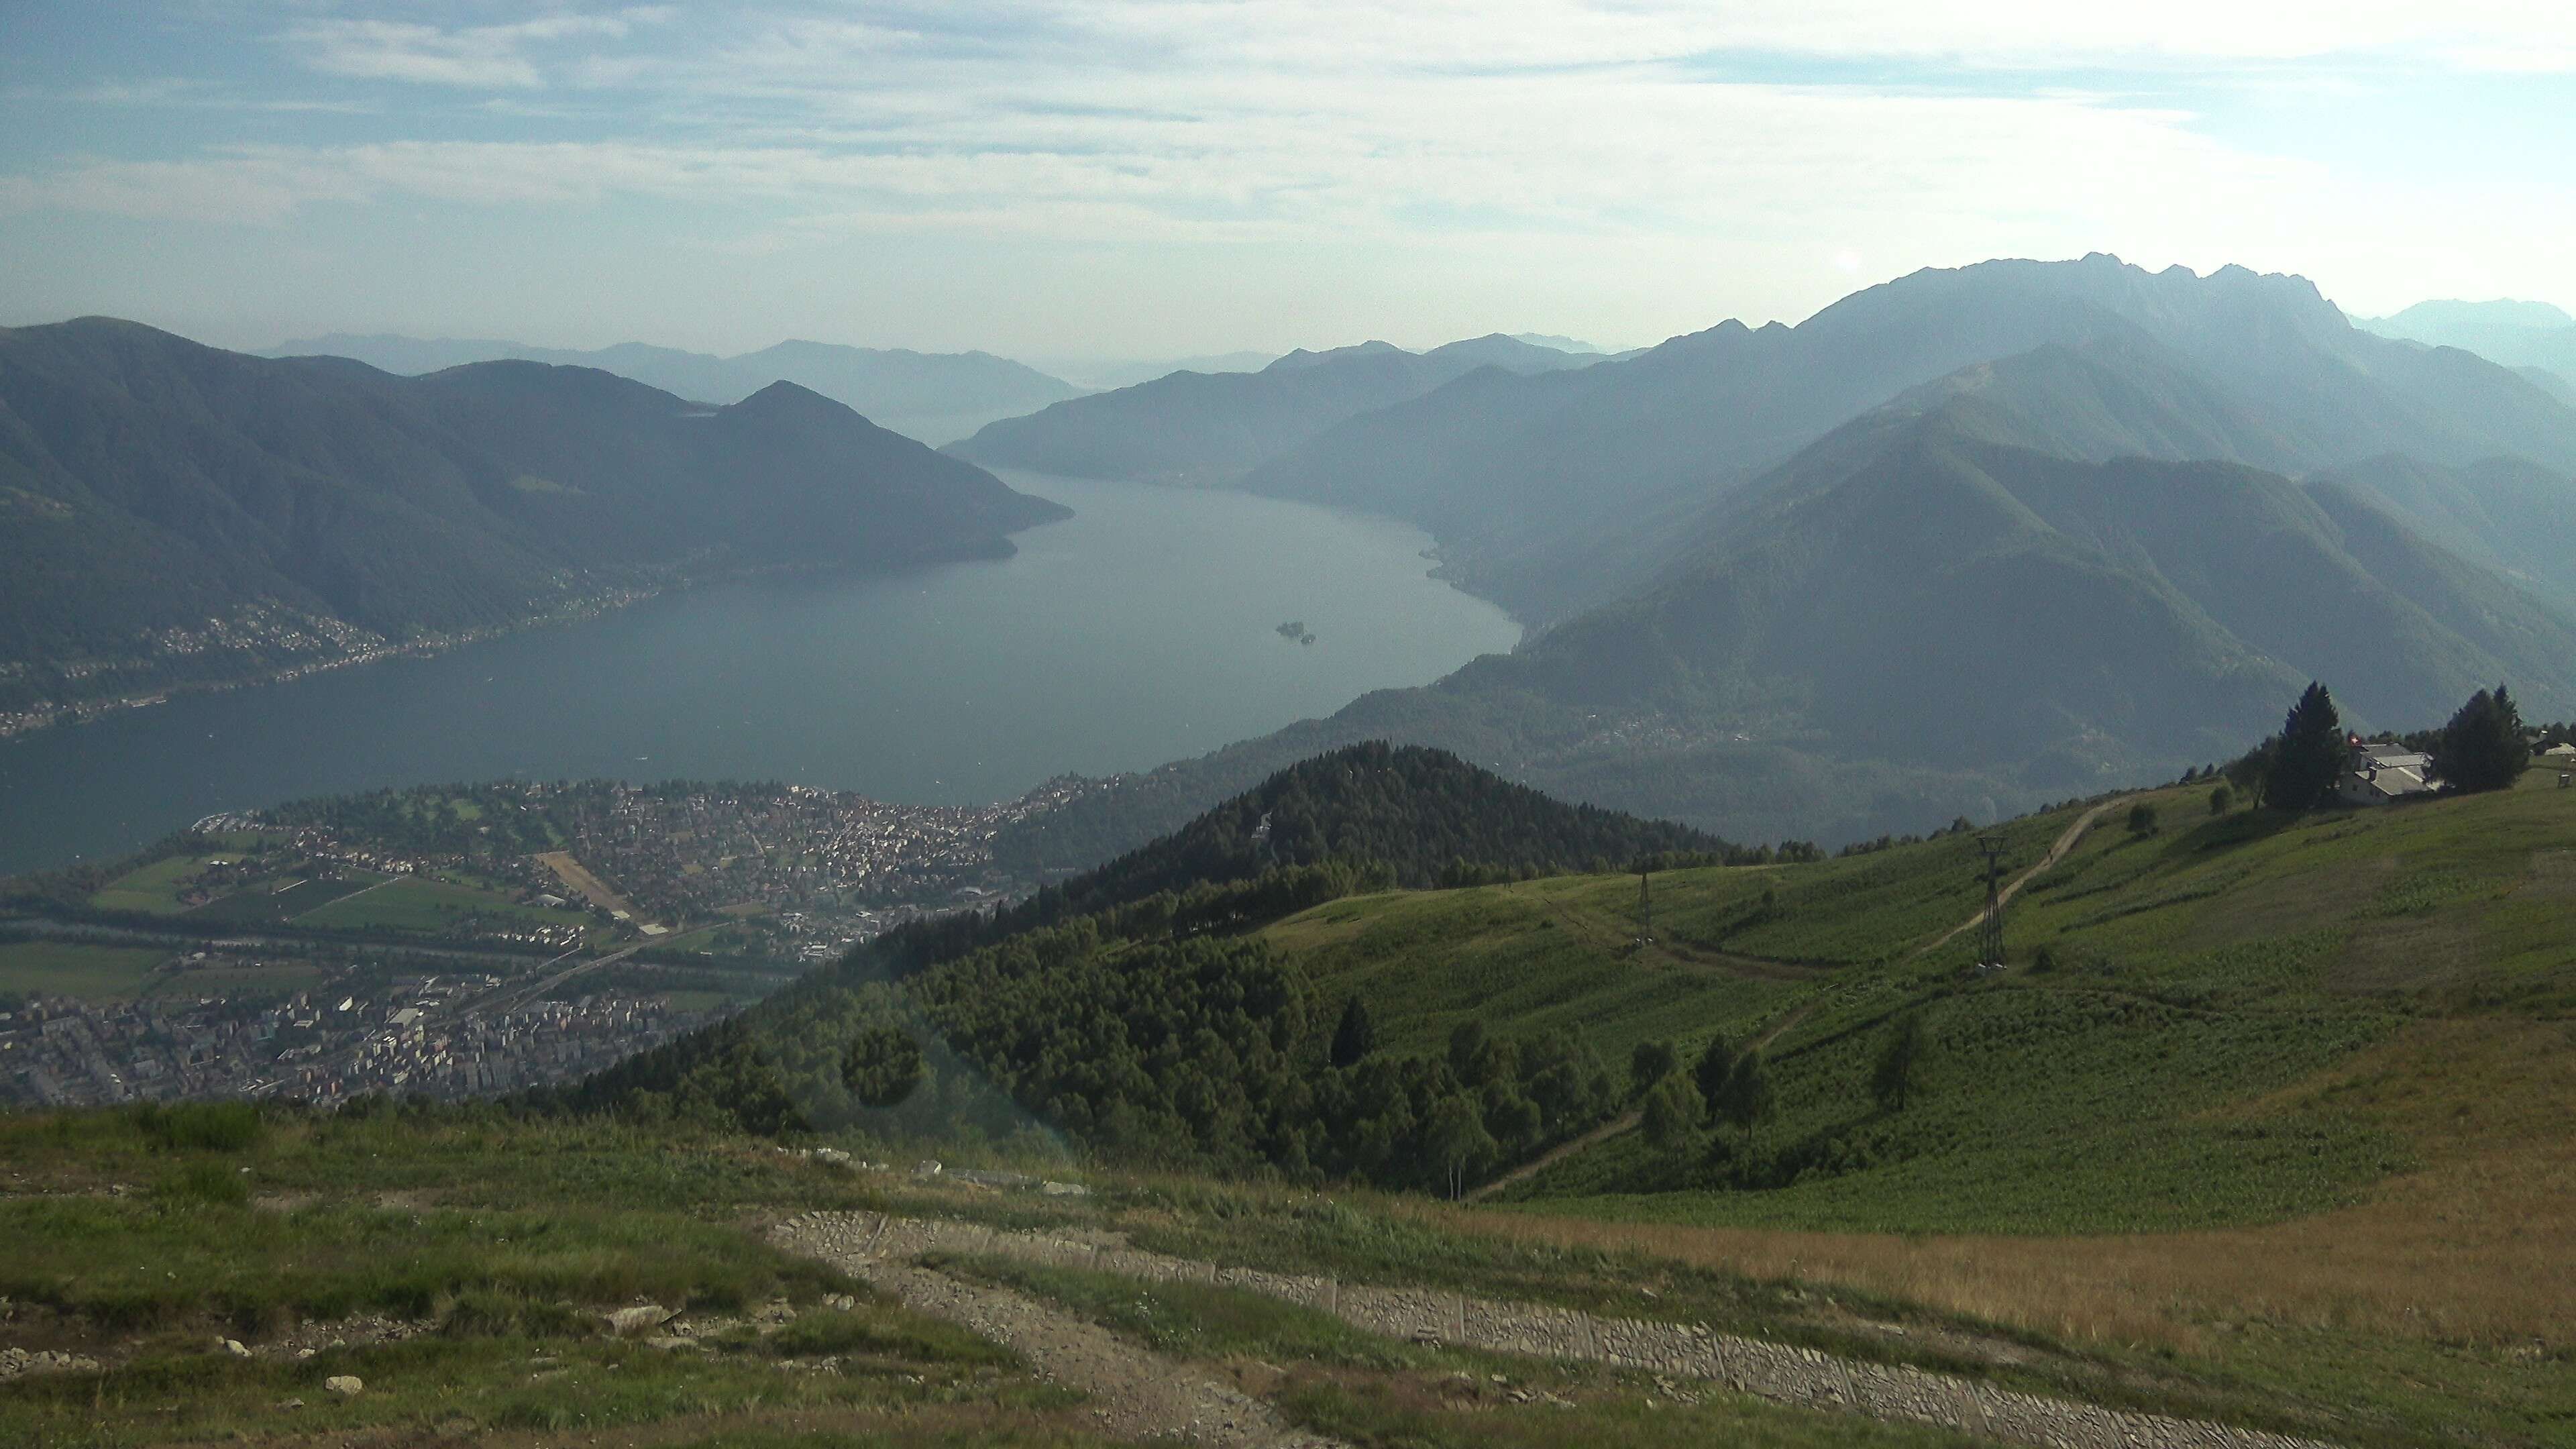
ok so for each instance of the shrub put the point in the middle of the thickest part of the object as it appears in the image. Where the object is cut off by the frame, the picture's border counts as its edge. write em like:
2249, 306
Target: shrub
204, 1182
200, 1126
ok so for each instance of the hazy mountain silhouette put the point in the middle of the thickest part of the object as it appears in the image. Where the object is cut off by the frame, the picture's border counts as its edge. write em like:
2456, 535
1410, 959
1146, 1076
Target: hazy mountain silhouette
1210, 428
2523, 335
1554, 491
154, 484
932, 396
2023, 580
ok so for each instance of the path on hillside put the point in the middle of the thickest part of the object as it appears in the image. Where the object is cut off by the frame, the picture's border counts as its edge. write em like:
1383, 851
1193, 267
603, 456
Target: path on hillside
882, 1248
1616, 1125
1134, 1392
2064, 847
1557, 1154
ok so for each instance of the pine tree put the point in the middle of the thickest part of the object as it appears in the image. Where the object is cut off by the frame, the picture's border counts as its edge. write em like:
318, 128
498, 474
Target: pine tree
2310, 756
1747, 1098
1891, 1081
1356, 1037
2482, 747
1716, 1063
1651, 1062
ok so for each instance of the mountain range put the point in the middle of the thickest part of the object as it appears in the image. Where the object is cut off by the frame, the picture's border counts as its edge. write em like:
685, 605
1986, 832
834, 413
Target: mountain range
2534, 338
1209, 429
1960, 543
932, 396
177, 513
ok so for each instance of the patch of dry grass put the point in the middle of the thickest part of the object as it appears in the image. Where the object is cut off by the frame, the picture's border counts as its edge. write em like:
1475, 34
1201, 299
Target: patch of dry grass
2472, 1247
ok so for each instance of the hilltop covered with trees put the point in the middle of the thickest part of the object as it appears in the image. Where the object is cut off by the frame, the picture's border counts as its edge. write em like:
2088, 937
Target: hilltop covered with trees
1132, 1009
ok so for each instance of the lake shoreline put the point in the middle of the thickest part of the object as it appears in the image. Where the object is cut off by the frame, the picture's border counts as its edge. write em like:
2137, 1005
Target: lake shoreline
1138, 632
15, 724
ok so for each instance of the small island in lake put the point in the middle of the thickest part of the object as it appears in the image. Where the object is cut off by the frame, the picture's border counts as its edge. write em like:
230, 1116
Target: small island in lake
1296, 629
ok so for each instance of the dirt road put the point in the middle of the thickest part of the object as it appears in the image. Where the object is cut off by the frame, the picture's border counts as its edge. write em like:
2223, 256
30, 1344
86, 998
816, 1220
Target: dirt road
2065, 846
1148, 1394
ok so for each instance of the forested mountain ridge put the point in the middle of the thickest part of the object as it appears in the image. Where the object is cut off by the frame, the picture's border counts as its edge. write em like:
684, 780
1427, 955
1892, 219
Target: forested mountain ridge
1128, 1007
181, 513
1209, 428
1552, 493
931, 396
1420, 812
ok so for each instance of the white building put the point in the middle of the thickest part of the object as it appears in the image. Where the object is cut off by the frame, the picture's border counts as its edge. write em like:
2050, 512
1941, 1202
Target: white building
2378, 774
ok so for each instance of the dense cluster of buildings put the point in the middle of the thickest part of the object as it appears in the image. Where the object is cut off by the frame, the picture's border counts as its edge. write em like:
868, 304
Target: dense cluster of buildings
437, 1036
817, 868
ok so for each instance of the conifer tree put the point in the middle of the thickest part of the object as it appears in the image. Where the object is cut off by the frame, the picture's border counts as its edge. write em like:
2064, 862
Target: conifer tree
2482, 747
1747, 1098
1716, 1064
1651, 1062
1356, 1037
2311, 754
1891, 1081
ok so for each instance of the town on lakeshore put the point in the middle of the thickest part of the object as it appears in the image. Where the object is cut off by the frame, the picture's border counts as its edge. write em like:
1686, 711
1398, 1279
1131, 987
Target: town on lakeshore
460, 941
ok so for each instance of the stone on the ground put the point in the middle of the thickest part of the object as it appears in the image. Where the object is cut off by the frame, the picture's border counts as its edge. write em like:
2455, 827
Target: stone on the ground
347, 1386
626, 1322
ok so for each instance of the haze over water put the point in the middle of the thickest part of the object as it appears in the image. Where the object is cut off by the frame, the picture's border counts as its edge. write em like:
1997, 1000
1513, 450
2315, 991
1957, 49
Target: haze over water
1142, 630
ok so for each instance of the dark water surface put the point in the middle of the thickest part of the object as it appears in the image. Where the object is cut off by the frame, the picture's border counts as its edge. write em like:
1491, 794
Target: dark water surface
1141, 630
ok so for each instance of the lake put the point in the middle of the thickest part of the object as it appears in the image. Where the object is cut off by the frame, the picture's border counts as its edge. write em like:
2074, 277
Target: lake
1143, 629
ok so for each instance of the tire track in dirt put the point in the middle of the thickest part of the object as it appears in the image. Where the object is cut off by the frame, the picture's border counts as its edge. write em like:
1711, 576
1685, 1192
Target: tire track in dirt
1134, 1393
881, 1248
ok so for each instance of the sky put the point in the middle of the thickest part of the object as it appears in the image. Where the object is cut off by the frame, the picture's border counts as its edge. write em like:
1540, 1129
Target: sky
1142, 178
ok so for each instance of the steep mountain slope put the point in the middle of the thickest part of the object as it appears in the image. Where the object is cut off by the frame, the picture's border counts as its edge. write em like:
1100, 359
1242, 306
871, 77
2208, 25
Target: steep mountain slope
932, 396
2508, 514
1209, 428
180, 512
1975, 598
1550, 492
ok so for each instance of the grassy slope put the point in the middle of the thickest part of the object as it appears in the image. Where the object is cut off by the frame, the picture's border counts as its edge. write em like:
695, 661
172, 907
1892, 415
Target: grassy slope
2298, 1098
2201, 973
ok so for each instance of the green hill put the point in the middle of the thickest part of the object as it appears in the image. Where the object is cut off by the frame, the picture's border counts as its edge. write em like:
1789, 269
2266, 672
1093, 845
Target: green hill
178, 513
2266, 1123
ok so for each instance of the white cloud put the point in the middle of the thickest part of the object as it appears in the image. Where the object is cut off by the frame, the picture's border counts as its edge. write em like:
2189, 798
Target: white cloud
486, 57
1508, 134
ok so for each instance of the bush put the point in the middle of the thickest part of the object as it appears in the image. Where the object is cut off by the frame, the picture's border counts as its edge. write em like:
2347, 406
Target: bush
2221, 800
202, 1182
200, 1126
2142, 819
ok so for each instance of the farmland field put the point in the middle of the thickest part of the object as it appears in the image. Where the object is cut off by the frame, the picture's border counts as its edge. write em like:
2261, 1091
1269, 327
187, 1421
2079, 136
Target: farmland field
62, 968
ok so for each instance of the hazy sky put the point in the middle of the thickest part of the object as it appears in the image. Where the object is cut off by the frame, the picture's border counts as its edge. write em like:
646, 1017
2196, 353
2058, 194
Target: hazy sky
1138, 177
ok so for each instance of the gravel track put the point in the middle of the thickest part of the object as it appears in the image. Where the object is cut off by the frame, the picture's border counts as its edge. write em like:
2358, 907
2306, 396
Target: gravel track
1157, 1396
1135, 1393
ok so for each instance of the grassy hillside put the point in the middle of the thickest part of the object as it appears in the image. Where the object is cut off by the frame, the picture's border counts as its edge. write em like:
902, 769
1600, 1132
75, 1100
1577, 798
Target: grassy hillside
2154, 1058
2270, 1121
